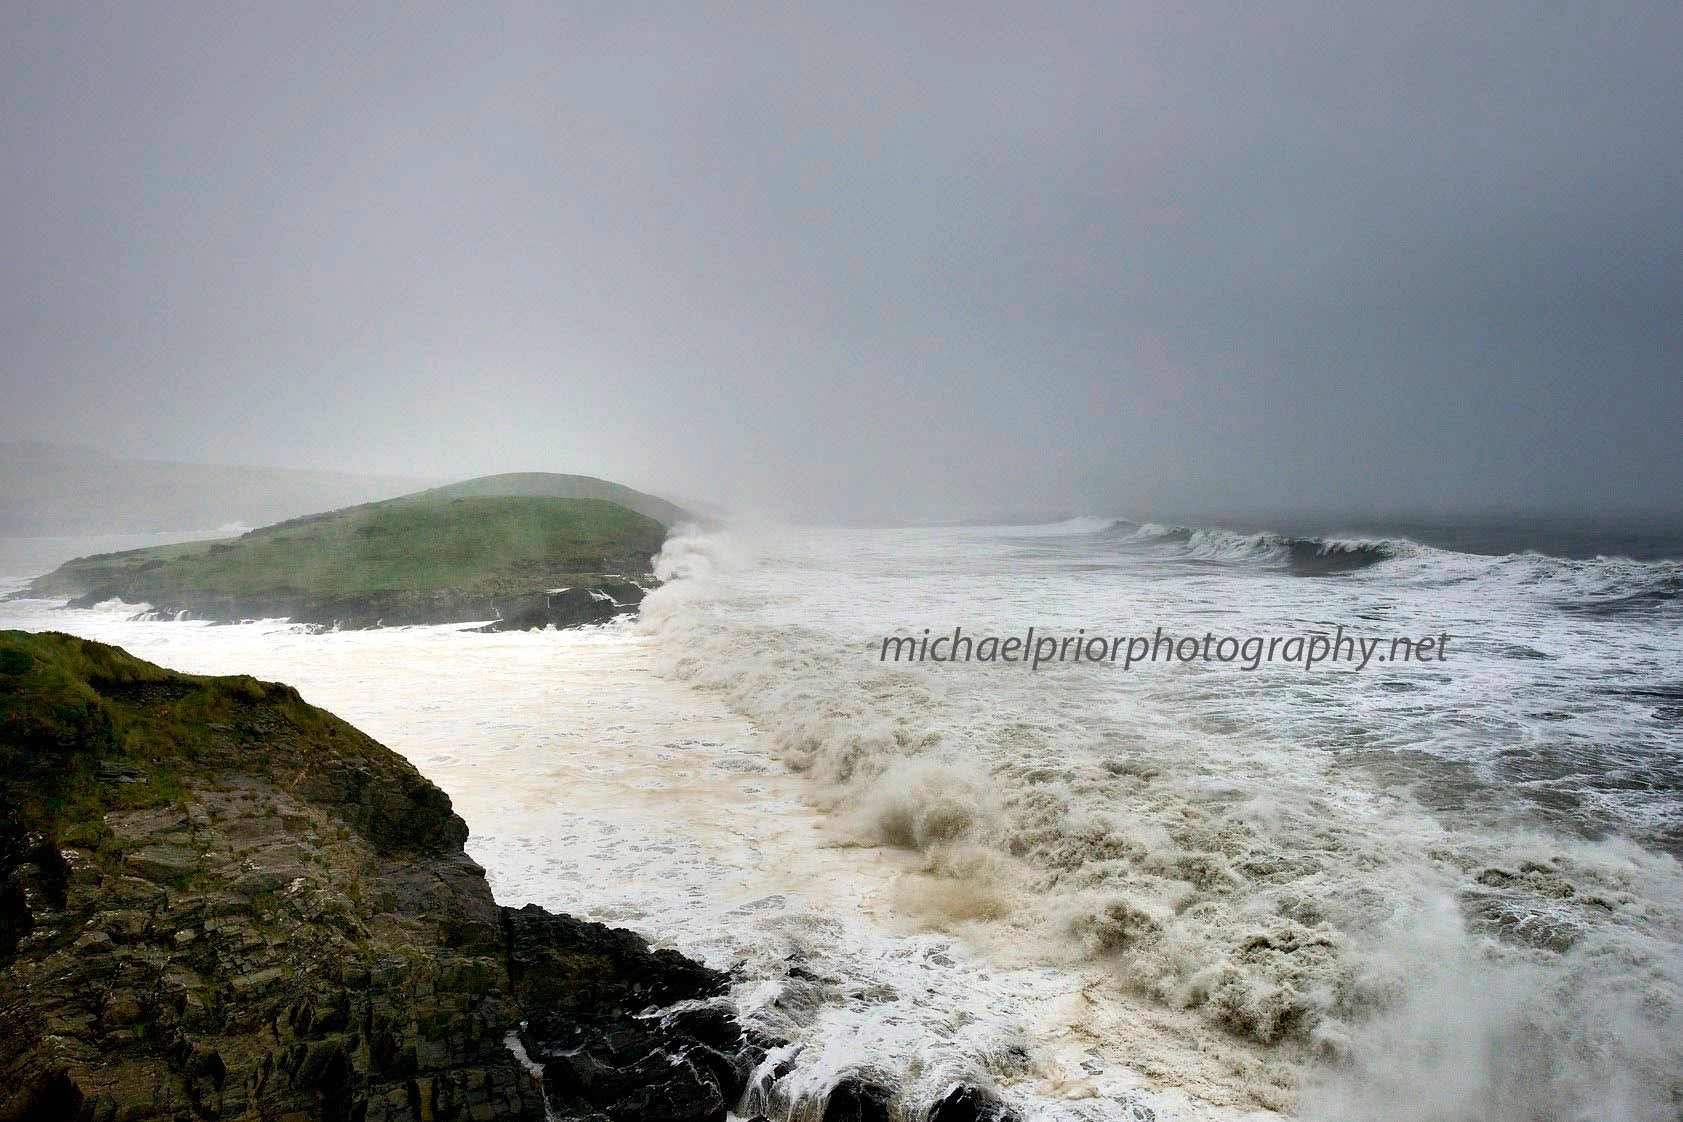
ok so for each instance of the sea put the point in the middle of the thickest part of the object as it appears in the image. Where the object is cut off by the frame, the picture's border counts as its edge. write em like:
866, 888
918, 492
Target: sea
1440, 885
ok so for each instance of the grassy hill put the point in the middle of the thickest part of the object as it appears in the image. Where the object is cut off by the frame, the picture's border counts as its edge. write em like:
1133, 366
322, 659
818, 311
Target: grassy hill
432, 557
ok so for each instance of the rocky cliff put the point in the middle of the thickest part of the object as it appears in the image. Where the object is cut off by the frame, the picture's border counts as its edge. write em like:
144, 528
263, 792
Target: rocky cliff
217, 901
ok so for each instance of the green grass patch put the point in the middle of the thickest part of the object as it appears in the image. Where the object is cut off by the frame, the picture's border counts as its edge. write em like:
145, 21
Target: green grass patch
420, 543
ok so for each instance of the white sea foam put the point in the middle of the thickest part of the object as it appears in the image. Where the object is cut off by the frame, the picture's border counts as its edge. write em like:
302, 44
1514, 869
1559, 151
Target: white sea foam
1229, 847
1185, 891
595, 786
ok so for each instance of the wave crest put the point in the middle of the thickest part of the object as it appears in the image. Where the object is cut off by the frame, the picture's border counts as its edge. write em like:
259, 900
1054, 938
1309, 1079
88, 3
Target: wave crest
1247, 881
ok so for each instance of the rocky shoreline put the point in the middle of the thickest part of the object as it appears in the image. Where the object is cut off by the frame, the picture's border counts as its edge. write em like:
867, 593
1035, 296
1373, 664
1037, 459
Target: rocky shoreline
217, 901
588, 601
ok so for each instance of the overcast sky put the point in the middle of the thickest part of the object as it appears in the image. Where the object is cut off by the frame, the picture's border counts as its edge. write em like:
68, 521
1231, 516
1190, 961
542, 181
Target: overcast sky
908, 259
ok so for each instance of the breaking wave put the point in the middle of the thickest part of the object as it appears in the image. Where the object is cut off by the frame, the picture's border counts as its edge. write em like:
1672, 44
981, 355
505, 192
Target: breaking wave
1302, 556
1355, 950
1601, 586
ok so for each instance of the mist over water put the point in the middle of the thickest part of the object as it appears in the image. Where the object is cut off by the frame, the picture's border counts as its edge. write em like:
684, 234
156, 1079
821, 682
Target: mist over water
1414, 892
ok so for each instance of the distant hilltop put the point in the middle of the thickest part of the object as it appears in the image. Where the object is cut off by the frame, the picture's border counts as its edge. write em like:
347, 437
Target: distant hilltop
510, 551
544, 484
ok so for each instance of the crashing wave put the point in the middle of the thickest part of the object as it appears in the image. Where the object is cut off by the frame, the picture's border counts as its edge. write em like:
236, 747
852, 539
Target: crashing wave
1303, 556
1250, 882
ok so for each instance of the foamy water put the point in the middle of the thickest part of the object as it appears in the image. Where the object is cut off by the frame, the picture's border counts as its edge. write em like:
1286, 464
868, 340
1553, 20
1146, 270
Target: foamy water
1427, 892
1418, 891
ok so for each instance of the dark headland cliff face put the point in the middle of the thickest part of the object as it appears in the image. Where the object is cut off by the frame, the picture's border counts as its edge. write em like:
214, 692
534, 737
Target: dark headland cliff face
217, 901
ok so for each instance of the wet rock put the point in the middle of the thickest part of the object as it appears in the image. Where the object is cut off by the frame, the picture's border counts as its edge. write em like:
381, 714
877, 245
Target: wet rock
854, 1099
965, 1103
631, 1032
566, 607
632, 1069
558, 962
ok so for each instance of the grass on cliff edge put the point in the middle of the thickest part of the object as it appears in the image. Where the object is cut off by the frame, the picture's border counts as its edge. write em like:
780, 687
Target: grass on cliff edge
426, 542
70, 706
58, 724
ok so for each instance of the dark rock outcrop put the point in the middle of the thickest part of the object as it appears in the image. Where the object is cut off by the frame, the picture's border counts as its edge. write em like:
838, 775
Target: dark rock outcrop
596, 969
568, 607
853, 1099
217, 901
641, 1034
965, 1103
596, 600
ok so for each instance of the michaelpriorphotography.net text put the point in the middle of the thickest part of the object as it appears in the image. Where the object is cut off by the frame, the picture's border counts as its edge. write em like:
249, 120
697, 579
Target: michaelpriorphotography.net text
1307, 650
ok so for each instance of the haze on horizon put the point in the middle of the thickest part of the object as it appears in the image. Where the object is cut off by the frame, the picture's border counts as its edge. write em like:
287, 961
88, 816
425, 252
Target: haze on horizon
870, 261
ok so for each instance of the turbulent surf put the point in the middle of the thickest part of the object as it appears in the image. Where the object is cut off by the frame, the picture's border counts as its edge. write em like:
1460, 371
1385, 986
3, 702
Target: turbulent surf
1444, 890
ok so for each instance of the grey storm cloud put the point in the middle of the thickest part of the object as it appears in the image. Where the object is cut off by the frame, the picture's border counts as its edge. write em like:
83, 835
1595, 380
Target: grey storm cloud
855, 260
